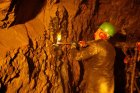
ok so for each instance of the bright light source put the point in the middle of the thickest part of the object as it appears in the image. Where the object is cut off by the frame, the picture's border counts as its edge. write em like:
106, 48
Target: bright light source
59, 37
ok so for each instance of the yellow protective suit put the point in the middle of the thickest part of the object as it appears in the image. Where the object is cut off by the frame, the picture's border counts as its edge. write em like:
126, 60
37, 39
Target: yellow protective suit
98, 59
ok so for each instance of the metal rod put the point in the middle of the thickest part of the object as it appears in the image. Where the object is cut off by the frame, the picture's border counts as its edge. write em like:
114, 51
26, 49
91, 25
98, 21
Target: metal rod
61, 43
133, 71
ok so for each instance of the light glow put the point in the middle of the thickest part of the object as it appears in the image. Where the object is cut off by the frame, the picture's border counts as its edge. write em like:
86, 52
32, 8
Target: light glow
59, 37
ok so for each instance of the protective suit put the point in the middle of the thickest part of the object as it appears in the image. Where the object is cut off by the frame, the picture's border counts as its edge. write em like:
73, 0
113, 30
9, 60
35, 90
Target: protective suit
98, 59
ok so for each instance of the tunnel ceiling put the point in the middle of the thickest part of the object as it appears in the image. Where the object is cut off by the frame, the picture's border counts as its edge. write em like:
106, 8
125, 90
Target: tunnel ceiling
124, 14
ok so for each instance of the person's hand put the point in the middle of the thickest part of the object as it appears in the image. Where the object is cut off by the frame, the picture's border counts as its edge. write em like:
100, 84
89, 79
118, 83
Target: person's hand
73, 45
138, 46
82, 44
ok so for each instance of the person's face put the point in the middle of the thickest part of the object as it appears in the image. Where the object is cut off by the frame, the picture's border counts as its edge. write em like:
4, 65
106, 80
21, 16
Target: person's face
99, 34
4, 6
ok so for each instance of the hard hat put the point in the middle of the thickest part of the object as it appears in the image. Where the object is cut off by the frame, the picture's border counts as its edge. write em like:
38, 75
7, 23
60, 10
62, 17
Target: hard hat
108, 28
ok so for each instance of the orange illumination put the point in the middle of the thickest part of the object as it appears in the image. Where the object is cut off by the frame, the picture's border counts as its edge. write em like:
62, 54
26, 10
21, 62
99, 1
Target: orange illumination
58, 36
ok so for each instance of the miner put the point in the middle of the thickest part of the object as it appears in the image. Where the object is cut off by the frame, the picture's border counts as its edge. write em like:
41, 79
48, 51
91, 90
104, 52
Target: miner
98, 58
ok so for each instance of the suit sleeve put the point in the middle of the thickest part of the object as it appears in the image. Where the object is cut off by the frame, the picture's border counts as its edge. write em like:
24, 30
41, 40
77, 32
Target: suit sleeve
87, 52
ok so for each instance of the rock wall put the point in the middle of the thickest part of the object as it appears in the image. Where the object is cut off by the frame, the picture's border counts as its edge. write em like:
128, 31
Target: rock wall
31, 61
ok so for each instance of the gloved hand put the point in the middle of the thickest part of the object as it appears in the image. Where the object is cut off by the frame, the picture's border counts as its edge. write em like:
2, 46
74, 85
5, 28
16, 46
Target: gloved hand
74, 45
73, 50
138, 45
82, 44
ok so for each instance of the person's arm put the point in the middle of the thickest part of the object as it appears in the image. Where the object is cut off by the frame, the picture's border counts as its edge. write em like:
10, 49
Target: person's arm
87, 52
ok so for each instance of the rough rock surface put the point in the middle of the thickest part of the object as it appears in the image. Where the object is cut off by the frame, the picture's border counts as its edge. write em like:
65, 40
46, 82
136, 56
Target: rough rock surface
29, 60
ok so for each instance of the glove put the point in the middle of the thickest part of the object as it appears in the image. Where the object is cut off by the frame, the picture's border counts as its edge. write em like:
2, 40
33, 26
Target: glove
138, 45
73, 45
82, 44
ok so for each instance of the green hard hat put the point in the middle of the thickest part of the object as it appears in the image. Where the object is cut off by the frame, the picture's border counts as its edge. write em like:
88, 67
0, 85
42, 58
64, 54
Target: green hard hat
108, 28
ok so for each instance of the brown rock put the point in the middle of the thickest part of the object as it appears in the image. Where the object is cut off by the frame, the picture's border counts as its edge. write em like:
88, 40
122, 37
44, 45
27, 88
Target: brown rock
30, 59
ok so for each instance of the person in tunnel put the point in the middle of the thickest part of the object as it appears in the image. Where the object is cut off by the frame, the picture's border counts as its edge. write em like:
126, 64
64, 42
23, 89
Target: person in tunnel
98, 56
